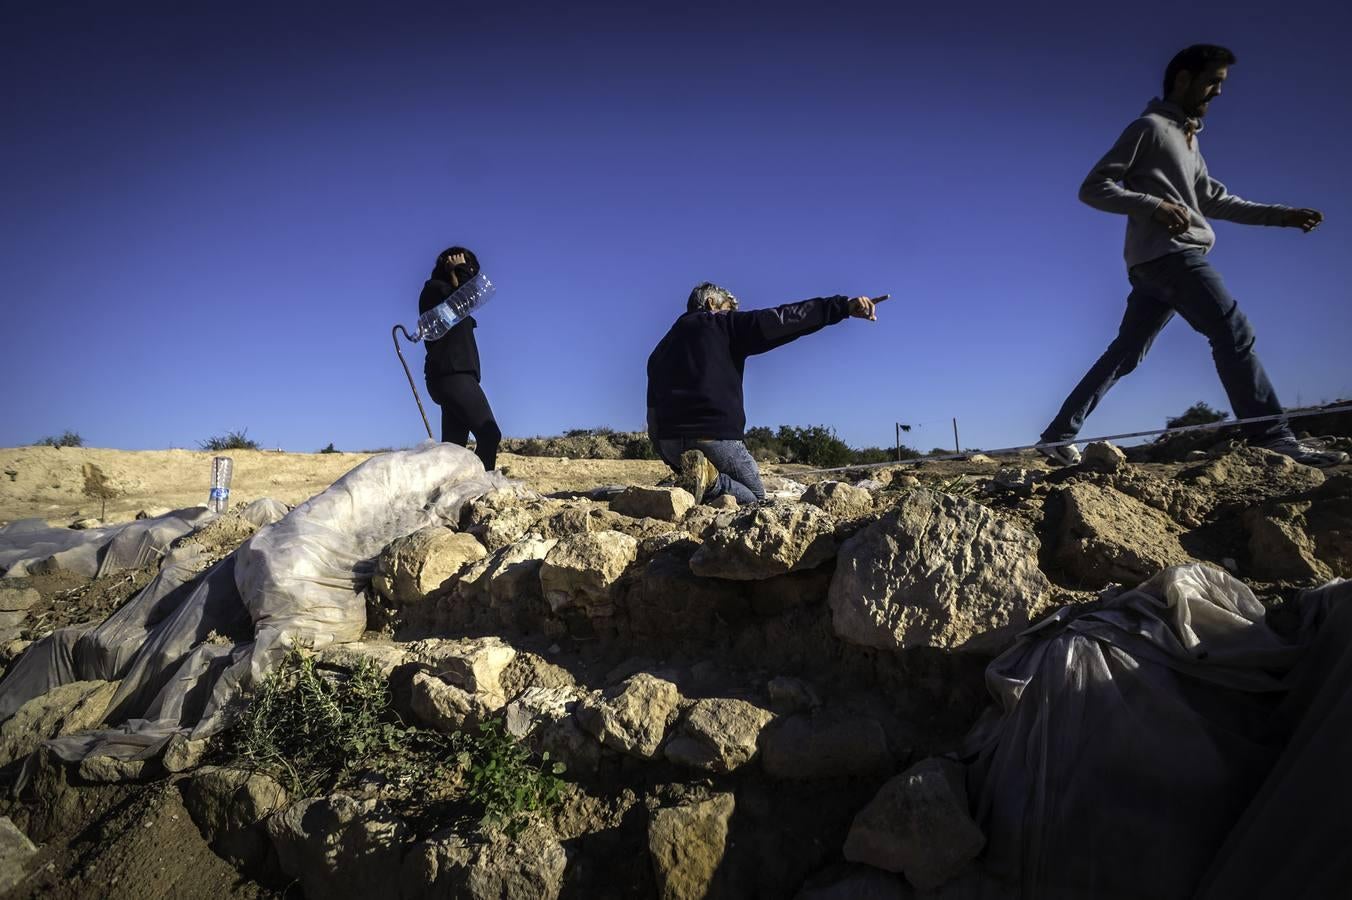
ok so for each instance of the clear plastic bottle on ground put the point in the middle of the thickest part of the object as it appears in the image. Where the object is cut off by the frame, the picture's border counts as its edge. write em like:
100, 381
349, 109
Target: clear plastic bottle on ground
218, 501
471, 295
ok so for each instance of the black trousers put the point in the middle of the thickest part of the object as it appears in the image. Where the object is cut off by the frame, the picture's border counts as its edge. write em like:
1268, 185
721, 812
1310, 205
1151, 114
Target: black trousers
464, 408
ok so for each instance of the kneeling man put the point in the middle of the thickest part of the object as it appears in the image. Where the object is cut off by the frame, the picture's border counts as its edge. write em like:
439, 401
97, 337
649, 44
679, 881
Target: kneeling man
696, 417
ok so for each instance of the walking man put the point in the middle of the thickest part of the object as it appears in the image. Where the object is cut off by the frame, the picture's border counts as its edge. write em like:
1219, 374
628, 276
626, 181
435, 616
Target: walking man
696, 417
1156, 177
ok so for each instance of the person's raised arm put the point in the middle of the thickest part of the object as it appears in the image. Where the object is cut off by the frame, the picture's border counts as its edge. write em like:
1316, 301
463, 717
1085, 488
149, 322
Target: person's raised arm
760, 330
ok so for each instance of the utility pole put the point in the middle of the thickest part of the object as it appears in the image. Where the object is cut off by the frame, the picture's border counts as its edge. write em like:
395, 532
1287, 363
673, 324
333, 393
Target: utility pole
898, 442
957, 447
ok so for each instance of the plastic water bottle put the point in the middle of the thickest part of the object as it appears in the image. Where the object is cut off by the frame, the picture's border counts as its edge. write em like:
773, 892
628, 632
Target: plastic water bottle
219, 499
441, 318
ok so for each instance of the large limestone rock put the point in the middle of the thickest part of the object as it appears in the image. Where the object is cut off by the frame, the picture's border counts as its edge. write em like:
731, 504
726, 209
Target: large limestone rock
229, 807
633, 716
936, 571
838, 499
918, 824
687, 844
1308, 538
581, 569
339, 847
64, 709
14, 605
529, 866
666, 503
718, 735
768, 540
510, 577
445, 707
472, 664
825, 745
1102, 456
15, 852
1106, 536
420, 564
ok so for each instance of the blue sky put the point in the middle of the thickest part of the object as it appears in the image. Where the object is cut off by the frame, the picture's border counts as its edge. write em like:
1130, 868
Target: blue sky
215, 216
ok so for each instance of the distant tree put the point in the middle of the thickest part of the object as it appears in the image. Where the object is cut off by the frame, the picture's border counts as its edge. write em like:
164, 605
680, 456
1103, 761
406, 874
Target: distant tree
66, 439
330, 449
1198, 414
939, 451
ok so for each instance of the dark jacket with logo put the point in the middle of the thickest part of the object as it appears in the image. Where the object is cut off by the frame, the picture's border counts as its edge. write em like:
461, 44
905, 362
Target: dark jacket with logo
455, 352
695, 374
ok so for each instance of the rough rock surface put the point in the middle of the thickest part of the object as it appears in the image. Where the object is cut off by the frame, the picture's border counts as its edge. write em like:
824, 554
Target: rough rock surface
1106, 536
669, 504
65, 709
633, 716
229, 807
828, 744
918, 824
718, 735
420, 564
838, 499
1101, 456
14, 605
936, 571
767, 540
581, 569
339, 847
510, 577
1304, 538
473, 664
445, 707
527, 867
15, 852
687, 844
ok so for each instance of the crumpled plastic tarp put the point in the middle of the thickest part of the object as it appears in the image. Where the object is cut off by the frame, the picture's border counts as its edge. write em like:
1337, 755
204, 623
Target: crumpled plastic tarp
31, 546
1130, 735
187, 644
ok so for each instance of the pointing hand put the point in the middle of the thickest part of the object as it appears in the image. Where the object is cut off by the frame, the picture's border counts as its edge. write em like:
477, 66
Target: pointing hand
866, 307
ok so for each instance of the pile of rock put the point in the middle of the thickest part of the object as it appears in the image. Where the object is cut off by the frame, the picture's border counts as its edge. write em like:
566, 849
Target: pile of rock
707, 673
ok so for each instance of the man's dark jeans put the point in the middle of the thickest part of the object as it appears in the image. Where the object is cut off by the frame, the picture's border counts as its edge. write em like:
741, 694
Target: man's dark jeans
1183, 283
738, 473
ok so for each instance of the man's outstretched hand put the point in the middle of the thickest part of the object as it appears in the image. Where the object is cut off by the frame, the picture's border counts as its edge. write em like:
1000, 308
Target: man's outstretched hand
866, 307
1304, 219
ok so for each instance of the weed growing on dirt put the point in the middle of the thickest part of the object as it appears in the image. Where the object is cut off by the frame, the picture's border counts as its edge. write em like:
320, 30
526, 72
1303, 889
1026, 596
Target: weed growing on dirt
504, 781
308, 727
313, 730
232, 440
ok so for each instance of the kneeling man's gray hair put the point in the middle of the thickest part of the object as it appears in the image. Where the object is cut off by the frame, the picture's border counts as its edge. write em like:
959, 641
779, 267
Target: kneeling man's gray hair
709, 291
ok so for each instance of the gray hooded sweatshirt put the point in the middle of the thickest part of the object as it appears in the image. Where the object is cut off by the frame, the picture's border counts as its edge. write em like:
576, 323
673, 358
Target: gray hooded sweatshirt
1158, 158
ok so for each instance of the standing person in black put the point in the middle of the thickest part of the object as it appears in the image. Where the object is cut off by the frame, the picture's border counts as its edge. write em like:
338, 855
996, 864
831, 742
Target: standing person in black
452, 367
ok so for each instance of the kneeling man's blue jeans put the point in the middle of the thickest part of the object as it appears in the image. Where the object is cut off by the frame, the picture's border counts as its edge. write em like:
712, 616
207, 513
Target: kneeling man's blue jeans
738, 473
1183, 283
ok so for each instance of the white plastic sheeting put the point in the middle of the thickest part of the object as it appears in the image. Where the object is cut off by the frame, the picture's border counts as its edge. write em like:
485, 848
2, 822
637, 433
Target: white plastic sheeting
1129, 736
186, 646
30, 546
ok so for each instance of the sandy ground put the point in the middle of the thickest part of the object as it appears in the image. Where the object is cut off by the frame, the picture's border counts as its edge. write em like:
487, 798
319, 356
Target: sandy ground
51, 484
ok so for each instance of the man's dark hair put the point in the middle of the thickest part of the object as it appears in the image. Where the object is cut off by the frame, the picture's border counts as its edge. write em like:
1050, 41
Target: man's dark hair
441, 271
1193, 60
